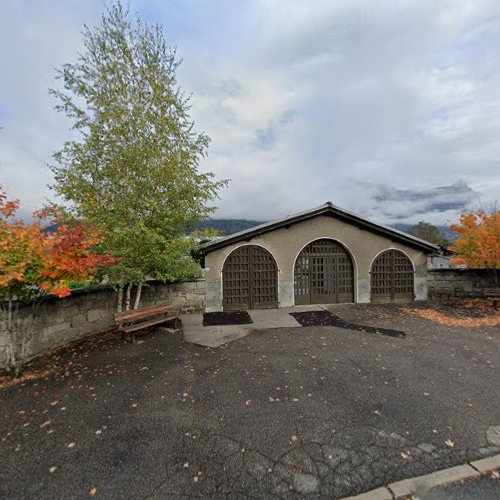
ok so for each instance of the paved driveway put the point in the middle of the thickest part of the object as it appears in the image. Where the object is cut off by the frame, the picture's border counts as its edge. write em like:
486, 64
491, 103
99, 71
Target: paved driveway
317, 412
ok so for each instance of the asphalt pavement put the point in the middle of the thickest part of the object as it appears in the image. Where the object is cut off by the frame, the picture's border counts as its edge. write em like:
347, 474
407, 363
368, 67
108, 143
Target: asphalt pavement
309, 412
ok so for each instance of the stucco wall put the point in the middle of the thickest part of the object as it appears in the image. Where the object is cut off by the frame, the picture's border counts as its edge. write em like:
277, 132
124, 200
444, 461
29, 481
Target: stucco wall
285, 244
91, 311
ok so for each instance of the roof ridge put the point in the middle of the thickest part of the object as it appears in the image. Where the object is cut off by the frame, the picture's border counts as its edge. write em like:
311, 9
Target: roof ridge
297, 217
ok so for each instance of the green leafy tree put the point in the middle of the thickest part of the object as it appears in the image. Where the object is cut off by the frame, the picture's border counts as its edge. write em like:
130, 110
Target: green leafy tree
428, 232
134, 166
202, 237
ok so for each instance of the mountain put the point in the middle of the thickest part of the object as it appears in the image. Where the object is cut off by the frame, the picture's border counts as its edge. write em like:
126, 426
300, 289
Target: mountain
404, 203
228, 226
447, 232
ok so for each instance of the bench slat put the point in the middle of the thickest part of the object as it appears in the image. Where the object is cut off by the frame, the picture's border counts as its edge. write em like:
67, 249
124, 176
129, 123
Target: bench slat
146, 324
141, 313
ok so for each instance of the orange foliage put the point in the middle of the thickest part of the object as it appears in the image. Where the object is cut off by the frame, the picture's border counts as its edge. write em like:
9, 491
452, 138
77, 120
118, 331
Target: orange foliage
34, 259
478, 243
436, 316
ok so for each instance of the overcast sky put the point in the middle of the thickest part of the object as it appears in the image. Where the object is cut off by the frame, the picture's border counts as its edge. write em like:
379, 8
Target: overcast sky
355, 102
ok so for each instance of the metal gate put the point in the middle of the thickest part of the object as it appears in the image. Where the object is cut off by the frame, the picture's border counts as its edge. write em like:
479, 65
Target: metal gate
392, 277
323, 274
250, 279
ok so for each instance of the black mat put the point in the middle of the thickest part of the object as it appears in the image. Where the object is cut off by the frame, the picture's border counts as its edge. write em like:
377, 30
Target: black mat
324, 318
226, 318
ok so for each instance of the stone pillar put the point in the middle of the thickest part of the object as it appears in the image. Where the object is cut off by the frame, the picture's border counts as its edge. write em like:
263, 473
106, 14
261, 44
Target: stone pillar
213, 296
286, 294
363, 296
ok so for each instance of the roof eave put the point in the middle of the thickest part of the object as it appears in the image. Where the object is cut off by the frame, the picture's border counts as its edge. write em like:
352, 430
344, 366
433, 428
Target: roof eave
327, 209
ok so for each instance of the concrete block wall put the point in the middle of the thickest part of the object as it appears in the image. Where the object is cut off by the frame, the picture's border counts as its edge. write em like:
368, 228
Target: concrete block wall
449, 284
91, 310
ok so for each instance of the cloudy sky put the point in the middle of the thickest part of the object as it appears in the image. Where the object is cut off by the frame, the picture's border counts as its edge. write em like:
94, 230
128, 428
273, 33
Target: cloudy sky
369, 104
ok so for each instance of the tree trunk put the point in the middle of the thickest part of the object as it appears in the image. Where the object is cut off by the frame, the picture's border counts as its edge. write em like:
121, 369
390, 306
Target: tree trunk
138, 296
20, 331
127, 298
9, 315
26, 329
11, 341
119, 306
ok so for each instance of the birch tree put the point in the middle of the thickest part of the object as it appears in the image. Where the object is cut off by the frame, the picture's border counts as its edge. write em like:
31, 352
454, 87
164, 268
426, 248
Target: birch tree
134, 164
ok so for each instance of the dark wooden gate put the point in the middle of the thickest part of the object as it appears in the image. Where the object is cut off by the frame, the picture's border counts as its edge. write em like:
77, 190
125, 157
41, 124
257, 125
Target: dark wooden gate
250, 279
324, 274
392, 278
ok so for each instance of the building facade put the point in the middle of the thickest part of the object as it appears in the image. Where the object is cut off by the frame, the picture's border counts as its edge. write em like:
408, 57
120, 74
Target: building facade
321, 256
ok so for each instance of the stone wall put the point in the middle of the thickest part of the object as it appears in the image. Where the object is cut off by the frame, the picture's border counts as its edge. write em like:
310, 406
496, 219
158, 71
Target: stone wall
449, 284
91, 311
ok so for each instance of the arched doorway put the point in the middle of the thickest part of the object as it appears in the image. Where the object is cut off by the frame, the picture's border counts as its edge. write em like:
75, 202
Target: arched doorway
249, 279
392, 277
323, 274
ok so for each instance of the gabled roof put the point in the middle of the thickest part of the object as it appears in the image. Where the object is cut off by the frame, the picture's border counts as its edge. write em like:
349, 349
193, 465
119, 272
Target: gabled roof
328, 209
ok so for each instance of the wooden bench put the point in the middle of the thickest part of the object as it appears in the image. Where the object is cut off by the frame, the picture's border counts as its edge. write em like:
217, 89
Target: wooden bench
493, 293
138, 319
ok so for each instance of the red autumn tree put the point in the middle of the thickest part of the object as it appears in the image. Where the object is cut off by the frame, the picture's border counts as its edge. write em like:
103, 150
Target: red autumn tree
37, 259
478, 243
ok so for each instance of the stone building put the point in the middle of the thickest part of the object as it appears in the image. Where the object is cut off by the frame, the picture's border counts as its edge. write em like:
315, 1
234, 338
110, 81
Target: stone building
321, 256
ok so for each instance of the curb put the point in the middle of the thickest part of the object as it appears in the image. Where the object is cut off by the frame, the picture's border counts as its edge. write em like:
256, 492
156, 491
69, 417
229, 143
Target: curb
421, 484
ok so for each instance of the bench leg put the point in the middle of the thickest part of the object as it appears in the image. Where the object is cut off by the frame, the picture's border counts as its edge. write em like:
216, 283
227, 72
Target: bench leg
131, 338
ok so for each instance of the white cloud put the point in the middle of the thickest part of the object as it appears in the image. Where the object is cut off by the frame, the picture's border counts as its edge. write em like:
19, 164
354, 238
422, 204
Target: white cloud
304, 101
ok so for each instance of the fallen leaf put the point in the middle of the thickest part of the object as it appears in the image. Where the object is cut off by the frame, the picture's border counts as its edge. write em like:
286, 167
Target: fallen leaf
53, 469
248, 402
437, 317
92, 492
71, 445
449, 443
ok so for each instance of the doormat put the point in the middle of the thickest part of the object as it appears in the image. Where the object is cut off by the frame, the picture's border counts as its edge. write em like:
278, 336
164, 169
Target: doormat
324, 318
226, 318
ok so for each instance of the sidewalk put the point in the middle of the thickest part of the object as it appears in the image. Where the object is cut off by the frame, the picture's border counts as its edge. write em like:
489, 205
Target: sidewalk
215, 336
472, 480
